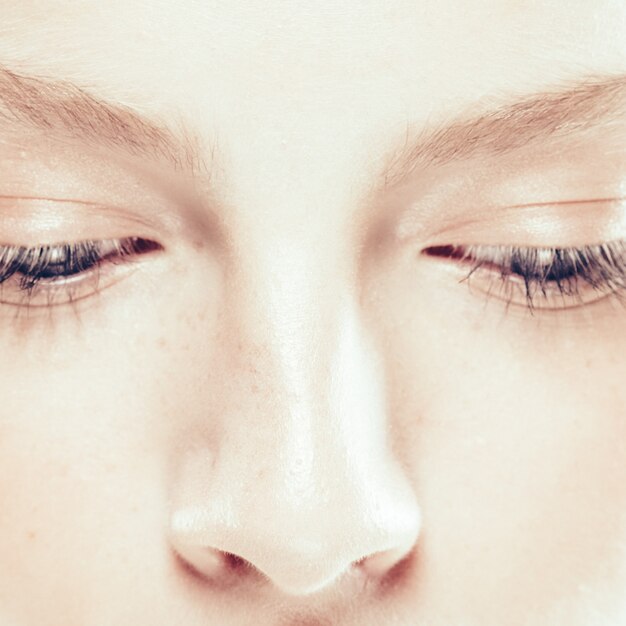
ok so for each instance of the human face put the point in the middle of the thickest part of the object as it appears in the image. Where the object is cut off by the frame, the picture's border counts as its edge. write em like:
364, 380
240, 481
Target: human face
276, 400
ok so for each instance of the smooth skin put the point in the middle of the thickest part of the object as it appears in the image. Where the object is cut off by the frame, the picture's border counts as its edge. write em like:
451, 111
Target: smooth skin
287, 413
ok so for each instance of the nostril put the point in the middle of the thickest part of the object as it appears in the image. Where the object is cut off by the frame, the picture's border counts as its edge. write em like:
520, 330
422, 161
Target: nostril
236, 563
204, 562
381, 565
212, 564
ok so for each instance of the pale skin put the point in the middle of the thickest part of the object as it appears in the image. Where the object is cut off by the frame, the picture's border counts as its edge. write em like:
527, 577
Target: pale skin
285, 411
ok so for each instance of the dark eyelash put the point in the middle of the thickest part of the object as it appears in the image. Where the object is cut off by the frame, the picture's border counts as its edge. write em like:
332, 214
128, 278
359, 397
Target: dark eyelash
55, 262
547, 270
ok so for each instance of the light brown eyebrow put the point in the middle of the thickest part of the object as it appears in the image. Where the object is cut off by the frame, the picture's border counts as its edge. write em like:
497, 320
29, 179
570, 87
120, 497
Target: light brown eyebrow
52, 105
542, 116
59, 106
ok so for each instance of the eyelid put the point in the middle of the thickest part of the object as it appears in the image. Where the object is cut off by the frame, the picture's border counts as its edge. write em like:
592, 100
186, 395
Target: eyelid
50, 275
546, 278
47, 221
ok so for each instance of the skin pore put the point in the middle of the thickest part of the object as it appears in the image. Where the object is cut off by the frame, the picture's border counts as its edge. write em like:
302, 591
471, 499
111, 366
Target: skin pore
277, 397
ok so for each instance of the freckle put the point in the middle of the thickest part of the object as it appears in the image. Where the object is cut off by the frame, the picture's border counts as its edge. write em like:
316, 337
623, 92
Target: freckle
199, 245
32, 534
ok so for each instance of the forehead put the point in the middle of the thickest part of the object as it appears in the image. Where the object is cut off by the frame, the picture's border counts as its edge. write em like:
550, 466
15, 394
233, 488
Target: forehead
318, 89
293, 46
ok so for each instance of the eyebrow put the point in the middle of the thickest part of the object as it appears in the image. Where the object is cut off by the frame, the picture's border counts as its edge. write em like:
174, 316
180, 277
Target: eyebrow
51, 105
60, 106
542, 116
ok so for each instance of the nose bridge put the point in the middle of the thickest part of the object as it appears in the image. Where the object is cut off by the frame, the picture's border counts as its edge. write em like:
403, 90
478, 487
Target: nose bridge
292, 307
326, 437
316, 366
331, 422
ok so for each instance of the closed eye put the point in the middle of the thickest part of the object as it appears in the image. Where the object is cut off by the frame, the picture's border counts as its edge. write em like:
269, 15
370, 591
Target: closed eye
544, 277
37, 276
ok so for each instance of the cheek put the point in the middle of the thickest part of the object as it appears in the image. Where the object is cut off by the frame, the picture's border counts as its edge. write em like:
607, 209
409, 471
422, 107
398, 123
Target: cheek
538, 509
83, 442
515, 436
68, 495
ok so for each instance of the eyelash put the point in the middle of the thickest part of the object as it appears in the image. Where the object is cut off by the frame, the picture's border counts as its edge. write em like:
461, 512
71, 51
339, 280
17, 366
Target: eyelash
545, 273
64, 264
542, 272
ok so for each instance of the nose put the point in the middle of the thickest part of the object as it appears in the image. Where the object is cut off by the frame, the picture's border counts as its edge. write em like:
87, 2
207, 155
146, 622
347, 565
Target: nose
301, 538
300, 481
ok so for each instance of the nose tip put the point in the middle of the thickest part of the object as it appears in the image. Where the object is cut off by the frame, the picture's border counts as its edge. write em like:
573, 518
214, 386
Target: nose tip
298, 569
222, 567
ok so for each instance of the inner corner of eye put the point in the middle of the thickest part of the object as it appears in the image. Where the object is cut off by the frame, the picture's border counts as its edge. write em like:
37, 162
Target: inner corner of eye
447, 251
142, 245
